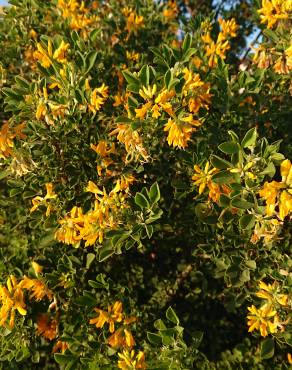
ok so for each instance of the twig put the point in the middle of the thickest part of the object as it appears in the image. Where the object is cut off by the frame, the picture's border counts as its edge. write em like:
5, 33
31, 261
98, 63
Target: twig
250, 46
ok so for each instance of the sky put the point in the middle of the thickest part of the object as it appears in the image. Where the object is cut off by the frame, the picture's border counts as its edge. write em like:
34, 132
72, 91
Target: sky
3, 2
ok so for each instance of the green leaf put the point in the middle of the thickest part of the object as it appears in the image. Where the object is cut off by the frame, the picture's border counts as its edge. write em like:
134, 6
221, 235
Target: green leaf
270, 170
134, 88
229, 147
187, 42
15, 183
89, 259
141, 201
168, 78
145, 75
247, 222
154, 193
223, 177
171, 316
14, 192
149, 230
267, 348
190, 52
63, 359
251, 264
90, 60
123, 119
130, 78
22, 82
105, 253
159, 325
245, 276
224, 200
197, 338
86, 300
93, 34
241, 203
154, 338
220, 163
249, 138
4, 174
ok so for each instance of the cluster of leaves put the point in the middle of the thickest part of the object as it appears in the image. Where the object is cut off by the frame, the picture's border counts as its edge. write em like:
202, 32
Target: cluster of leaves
144, 155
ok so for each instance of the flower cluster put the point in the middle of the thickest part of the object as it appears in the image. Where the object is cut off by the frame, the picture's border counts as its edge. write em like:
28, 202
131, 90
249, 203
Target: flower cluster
121, 337
133, 21
279, 194
46, 56
267, 318
203, 179
44, 201
171, 10
12, 297
213, 49
77, 14
47, 327
274, 11
91, 226
97, 96
7, 134
131, 140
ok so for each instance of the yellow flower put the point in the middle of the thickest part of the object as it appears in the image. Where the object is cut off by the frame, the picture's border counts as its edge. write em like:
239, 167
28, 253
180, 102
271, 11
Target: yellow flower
192, 80
121, 338
279, 192
203, 177
37, 268
11, 299
270, 192
131, 55
273, 11
228, 27
132, 141
46, 327
68, 232
171, 10
6, 141
285, 204
60, 53
37, 201
38, 289
288, 53
134, 21
155, 111
164, 96
50, 191
60, 347
286, 172
179, 132
177, 135
111, 316
44, 56
124, 183
41, 111
147, 93
92, 188
141, 112
130, 361
98, 97
260, 319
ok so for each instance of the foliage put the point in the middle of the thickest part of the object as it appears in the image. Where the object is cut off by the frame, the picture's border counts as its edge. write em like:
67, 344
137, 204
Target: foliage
146, 186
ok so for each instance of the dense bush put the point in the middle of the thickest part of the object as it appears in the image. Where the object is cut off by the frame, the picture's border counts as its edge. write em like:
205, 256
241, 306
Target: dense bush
146, 186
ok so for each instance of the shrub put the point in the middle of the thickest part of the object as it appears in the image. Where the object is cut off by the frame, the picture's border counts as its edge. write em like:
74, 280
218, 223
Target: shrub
146, 186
